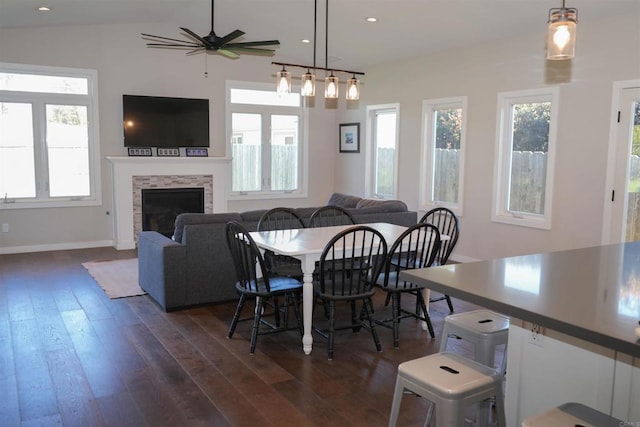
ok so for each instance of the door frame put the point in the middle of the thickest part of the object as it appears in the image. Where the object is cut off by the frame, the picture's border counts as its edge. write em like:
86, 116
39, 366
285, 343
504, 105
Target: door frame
607, 217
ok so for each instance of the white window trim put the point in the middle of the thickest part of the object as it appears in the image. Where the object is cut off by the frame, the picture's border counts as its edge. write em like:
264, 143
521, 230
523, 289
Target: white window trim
95, 197
503, 146
371, 152
427, 148
303, 173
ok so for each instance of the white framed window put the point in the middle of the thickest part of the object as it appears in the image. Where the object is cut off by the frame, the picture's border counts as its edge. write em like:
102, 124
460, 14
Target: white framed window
267, 141
49, 143
382, 142
443, 147
525, 153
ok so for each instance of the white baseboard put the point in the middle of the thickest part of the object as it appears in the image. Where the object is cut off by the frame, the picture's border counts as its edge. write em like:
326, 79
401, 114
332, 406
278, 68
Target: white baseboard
55, 247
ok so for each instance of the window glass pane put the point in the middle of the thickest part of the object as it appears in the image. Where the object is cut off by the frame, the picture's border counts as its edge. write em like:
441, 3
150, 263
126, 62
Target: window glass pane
446, 157
246, 152
45, 84
17, 167
385, 142
264, 97
68, 150
530, 144
284, 153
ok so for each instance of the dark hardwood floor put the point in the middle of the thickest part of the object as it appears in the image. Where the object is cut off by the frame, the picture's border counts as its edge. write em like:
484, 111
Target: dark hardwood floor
71, 356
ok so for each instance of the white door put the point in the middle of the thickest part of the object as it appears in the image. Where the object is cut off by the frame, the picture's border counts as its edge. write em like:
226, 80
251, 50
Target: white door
625, 194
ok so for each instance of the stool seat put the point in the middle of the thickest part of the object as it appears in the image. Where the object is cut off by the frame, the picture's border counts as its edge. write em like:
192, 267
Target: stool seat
485, 329
572, 414
451, 382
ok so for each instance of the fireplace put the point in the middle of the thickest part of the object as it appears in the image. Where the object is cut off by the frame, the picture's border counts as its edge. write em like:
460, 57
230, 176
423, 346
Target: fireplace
161, 206
132, 174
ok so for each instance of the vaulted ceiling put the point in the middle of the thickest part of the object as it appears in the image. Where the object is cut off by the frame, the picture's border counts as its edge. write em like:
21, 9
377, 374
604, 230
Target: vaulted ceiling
405, 28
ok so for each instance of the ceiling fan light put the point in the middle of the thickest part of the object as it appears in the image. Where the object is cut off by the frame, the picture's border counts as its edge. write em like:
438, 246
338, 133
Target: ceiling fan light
331, 86
561, 35
283, 81
308, 87
353, 89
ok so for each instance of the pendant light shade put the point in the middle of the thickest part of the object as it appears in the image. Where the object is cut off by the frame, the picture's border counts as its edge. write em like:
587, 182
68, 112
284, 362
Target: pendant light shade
283, 81
308, 87
353, 89
331, 86
561, 36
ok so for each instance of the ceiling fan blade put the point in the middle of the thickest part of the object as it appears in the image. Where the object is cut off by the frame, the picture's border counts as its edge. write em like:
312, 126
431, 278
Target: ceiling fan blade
194, 35
159, 38
198, 50
252, 50
228, 53
231, 36
185, 46
260, 43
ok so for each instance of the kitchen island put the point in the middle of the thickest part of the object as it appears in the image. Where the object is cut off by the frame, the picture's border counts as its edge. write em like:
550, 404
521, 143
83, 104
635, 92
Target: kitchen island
572, 335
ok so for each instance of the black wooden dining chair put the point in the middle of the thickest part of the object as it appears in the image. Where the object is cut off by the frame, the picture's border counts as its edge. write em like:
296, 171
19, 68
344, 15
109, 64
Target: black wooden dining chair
447, 223
416, 247
350, 265
246, 256
281, 218
330, 215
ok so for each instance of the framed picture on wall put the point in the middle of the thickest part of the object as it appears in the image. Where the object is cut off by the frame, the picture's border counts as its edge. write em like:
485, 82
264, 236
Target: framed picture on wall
350, 137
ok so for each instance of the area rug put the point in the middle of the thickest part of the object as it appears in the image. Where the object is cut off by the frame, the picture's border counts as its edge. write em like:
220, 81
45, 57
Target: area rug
117, 277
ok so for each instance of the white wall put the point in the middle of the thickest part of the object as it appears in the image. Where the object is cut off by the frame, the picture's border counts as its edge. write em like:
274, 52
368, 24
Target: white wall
126, 66
607, 51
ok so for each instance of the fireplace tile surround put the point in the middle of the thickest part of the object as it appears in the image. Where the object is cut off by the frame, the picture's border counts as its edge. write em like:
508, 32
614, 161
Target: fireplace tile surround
131, 174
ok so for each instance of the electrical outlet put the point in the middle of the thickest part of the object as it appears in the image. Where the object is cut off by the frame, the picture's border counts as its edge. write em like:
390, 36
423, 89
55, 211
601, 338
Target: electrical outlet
536, 337
5, 228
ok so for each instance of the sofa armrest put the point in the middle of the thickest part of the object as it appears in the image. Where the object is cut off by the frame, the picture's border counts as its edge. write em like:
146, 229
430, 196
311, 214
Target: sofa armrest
162, 269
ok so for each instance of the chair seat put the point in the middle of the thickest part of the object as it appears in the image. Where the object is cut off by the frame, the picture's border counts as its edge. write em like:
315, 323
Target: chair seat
394, 285
278, 284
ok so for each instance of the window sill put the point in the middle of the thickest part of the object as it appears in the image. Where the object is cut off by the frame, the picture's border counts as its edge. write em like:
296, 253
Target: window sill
48, 204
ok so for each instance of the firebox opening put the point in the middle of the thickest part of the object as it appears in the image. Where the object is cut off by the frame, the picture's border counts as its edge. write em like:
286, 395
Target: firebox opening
161, 206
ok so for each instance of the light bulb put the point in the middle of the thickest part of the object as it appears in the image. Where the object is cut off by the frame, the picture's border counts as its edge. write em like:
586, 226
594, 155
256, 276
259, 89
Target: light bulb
561, 36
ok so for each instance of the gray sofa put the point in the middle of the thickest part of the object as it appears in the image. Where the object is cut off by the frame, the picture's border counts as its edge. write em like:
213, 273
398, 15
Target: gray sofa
195, 266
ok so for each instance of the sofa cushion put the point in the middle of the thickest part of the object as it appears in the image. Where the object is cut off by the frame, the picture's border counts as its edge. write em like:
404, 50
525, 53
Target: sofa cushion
344, 200
198, 218
382, 205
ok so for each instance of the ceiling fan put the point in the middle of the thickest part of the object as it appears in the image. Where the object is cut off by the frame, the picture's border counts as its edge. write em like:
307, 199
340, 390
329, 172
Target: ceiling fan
211, 41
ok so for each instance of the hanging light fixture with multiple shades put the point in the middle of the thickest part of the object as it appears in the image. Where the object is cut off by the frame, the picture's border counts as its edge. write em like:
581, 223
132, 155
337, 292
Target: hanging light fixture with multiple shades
308, 79
561, 36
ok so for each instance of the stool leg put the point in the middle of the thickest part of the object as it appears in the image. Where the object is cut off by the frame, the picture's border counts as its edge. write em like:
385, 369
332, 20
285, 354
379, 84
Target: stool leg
397, 401
501, 419
445, 337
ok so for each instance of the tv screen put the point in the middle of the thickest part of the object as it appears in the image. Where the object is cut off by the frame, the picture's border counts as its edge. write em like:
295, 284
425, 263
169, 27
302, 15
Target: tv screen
154, 121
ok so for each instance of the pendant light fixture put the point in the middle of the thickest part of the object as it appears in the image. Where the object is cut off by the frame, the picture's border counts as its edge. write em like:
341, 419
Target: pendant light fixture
561, 36
353, 89
284, 81
308, 84
308, 79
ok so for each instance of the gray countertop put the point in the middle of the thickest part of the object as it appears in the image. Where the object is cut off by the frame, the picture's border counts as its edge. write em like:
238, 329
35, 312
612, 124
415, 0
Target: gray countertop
589, 293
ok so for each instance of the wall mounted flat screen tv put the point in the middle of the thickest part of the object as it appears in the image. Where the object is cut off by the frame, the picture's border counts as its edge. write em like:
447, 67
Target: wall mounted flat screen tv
154, 121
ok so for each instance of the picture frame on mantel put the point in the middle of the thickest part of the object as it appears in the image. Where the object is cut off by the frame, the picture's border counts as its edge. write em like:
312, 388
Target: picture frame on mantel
349, 137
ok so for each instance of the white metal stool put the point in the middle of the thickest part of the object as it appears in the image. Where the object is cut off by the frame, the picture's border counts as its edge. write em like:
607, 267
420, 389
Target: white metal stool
485, 329
570, 415
451, 382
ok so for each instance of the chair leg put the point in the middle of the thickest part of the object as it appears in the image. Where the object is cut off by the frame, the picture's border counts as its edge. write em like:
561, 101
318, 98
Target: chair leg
256, 325
236, 315
367, 304
354, 319
448, 298
395, 298
296, 310
332, 325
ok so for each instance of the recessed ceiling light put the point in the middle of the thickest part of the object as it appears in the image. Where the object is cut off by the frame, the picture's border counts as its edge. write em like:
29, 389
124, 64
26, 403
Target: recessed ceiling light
371, 19
44, 9
305, 41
